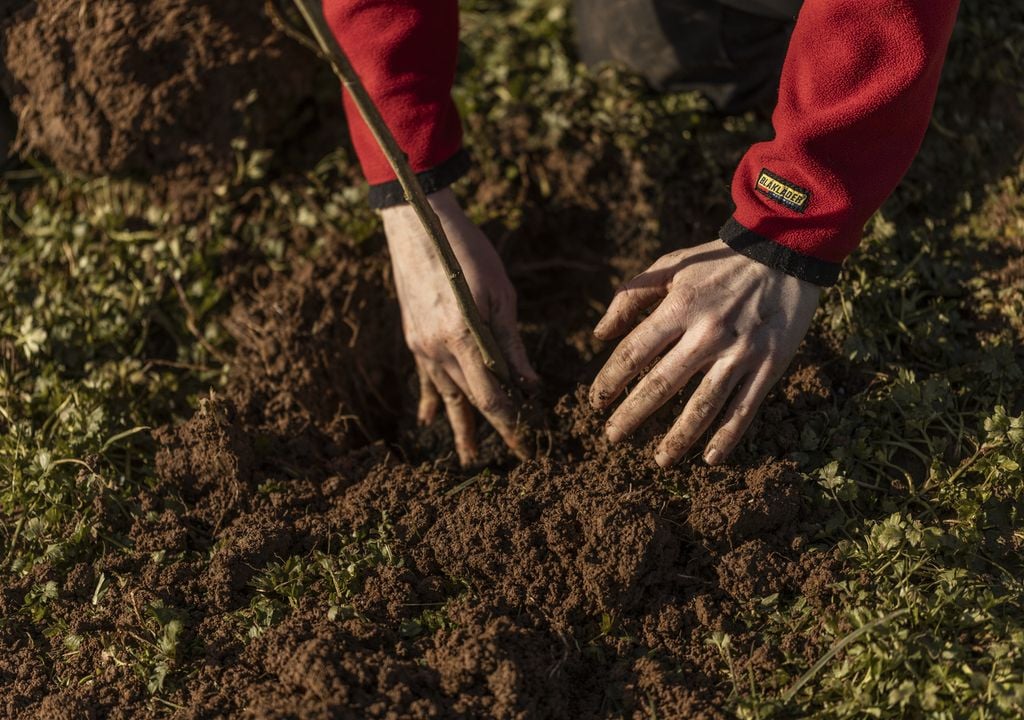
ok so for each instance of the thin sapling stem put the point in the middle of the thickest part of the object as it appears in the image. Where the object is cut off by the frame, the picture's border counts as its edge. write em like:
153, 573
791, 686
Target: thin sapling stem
414, 195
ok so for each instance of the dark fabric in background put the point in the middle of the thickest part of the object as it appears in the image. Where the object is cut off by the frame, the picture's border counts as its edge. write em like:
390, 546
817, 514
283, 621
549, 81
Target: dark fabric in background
731, 50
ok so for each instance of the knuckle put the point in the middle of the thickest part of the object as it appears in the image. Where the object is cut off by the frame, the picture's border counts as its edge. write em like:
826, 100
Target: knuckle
451, 397
455, 331
429, 347
703, 408
743, 412
721, 330
744, 347
657, 388
707, 334
457, 337
684, 295
677, 311
628, 357
492, 405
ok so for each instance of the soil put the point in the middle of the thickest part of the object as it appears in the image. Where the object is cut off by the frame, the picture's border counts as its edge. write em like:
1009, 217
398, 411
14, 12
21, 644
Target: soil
578, 584
157, 88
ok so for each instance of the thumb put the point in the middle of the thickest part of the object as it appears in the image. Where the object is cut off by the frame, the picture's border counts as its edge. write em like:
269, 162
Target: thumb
631, 300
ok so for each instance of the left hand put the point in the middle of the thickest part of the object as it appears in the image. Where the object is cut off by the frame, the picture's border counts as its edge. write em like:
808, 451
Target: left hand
718, 312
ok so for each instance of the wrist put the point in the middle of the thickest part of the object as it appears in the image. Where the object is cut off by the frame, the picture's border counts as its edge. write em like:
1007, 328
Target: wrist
775, 254
442, 201
437, 178
402, 224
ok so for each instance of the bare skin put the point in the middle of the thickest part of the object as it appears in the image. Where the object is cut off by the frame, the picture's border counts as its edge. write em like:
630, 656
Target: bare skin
713, 312
450, 368
717, 312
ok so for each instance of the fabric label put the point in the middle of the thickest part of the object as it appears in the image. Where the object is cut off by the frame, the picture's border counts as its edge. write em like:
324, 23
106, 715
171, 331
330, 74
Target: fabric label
782, 191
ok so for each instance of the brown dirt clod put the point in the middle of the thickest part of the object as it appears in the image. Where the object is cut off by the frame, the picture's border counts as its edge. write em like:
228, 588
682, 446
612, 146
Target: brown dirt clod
152, 87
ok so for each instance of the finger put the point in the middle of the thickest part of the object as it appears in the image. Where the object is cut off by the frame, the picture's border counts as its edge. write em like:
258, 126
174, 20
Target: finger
430, 399
632, 299
459, 411
701, 410
657, 387
506, 332
487, 395
634, 353
739, 415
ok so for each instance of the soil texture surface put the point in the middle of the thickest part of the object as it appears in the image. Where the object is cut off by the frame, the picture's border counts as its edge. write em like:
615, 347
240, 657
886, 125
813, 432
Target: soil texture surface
577, 584
168, 89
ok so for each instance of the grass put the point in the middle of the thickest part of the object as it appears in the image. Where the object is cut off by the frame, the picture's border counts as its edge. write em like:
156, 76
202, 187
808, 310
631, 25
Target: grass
332, 576
111, 325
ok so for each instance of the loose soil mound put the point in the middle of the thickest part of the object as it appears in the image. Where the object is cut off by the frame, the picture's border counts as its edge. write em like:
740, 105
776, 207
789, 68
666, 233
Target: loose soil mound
153, 86
320, 354
580, 584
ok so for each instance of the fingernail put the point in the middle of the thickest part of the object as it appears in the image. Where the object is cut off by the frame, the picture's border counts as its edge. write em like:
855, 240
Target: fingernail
613, 433
712, 456
467, 455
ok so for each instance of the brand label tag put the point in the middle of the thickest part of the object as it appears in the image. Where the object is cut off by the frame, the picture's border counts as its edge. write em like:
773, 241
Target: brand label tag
783, 192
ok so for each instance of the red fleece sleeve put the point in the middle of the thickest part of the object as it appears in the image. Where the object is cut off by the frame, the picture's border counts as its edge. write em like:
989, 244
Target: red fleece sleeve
405, 53
855, 99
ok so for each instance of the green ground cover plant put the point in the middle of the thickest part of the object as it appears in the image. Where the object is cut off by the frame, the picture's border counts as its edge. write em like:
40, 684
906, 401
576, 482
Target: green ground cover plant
112, 323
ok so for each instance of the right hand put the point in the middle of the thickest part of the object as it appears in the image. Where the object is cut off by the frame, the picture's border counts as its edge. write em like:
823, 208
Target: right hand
718, 313
450, 367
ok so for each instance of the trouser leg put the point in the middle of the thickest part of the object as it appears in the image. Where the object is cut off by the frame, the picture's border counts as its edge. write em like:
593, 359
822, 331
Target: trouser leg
731, 50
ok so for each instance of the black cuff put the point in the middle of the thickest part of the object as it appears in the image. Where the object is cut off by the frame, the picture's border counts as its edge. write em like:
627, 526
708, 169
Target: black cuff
769, 252
436, 178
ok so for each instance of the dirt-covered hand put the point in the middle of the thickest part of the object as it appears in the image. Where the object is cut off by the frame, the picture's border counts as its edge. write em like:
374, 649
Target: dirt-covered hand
719, 313
450, 367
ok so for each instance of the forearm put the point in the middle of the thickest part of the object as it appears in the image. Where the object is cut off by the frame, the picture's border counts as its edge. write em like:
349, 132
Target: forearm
404, 52
855, 99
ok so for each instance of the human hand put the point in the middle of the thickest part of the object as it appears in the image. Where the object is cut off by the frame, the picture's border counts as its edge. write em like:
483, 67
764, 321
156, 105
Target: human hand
448, 361
718, 312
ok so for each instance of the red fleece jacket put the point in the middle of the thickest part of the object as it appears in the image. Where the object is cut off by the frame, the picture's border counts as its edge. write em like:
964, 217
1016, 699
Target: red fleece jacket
855, 98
